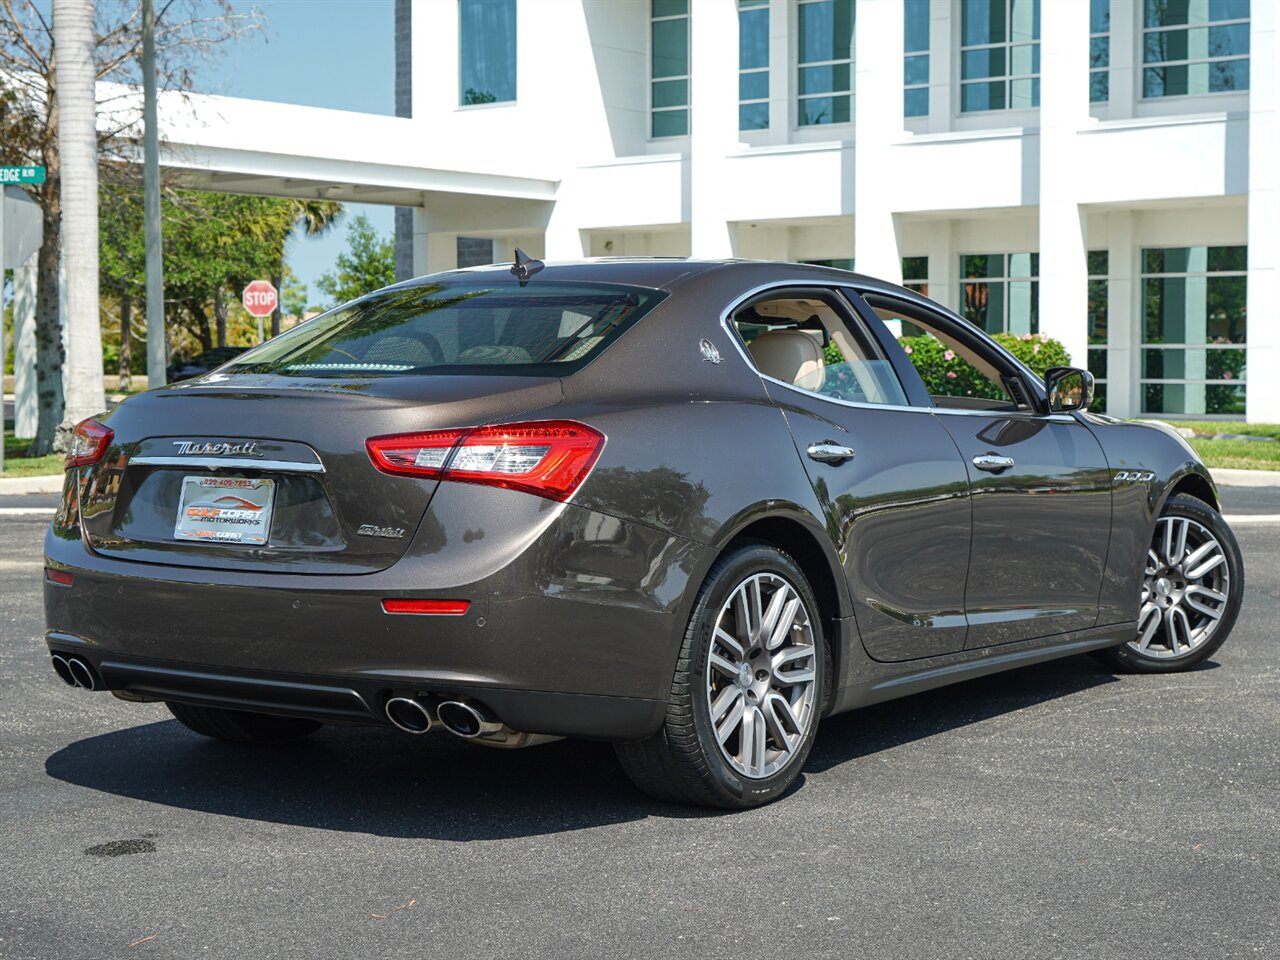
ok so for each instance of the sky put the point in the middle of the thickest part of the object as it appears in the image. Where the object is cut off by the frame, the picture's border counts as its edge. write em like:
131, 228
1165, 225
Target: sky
319, 53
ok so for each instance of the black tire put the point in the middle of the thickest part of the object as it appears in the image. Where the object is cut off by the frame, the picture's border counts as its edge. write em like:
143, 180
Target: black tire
683, 762
1126, 659
237, 726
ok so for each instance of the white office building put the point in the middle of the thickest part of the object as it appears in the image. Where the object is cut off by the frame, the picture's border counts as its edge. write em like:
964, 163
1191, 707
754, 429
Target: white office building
1106, 172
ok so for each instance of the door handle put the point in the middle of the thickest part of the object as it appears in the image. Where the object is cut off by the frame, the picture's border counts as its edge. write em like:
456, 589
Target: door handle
991, 463
828, 451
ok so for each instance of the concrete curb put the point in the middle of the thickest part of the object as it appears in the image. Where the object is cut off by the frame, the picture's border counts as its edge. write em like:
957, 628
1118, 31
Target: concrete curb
51, 483
1245, 478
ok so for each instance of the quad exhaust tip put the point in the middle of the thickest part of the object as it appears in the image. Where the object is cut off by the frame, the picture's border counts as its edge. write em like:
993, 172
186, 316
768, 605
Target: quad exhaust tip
467, 721
408, 715
75, 672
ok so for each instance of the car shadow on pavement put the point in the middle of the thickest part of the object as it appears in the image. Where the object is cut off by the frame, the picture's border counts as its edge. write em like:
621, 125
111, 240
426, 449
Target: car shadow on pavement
884, 726
374, 780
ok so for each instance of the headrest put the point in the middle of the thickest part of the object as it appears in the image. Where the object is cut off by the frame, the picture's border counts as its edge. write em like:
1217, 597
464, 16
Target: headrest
791, 356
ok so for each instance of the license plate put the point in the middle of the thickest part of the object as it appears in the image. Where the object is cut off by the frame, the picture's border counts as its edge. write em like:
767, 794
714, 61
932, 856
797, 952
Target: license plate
225, 510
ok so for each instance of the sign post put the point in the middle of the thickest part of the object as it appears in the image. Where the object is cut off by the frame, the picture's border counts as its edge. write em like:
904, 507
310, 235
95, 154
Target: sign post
260, 299
18, 176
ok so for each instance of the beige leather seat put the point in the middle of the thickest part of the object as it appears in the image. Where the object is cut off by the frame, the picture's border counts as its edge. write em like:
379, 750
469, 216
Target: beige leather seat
791, 356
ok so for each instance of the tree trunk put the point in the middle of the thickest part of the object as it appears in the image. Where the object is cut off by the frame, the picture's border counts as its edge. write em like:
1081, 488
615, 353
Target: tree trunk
73, 27
220, 315
278, 280
126, 334
203, 329
49, 354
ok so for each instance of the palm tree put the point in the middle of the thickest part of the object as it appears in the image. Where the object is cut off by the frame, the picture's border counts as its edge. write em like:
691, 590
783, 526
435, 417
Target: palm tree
315, 217
74, 36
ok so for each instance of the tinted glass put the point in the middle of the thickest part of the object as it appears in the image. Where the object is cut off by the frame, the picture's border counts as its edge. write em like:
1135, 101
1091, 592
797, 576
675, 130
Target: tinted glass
543, 329
487, 50
753, 38
826, 30
670, 48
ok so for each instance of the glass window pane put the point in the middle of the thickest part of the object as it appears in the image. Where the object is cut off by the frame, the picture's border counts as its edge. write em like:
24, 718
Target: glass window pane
670, 123
987, 62
486, 51
826, 30
1228, 41
1099, 404
1228, 9
1024, 94
753, 116
982, 96
1227, 258
1098, 363
1097, 311
1099, 16
915, 268
915, 25
1024, 19
1024, 59
1100, 52
982, 265
1214, 399
915, 70
753, 86
821, 110
670, 8
753, 38
1099, 87
983, 21
1228, 75
915, 102
1097, 260
670, 48
671, 93
828, 79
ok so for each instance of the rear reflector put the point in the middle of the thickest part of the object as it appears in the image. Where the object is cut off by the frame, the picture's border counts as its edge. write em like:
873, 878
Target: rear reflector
549, 458
440, 608
88, 444
60, 577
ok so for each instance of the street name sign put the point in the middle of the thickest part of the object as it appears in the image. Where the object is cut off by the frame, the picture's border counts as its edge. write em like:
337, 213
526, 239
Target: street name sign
22, 175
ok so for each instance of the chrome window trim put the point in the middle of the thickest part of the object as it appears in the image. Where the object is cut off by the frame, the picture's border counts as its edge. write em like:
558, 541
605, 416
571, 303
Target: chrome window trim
229, 463
845, 285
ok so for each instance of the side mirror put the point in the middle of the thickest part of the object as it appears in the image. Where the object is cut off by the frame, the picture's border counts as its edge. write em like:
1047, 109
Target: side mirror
1068, 388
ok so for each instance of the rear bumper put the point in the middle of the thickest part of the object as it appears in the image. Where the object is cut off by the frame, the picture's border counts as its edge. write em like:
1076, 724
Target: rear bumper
572, 632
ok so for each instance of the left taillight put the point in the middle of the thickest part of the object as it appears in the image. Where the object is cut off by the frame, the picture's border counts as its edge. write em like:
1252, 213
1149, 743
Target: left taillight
548, 458
88, 444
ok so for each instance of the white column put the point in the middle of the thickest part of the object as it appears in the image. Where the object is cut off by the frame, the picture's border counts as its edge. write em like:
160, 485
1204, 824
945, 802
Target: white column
1124, 329
713, 115
878, 125
1263, 363
1064, 110
421, 238
25, 412
562, 239
941, 50
1125, 83
782, 78
944, 267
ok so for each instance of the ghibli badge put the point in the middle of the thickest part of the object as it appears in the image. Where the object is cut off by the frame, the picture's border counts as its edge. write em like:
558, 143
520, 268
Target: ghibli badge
373, 530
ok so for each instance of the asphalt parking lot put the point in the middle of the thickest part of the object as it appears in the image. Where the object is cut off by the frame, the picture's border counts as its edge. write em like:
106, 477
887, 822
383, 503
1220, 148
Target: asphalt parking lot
1057, 811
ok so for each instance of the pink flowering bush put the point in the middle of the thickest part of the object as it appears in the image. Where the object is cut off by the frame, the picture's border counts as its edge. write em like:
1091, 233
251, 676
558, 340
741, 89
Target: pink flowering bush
947, 375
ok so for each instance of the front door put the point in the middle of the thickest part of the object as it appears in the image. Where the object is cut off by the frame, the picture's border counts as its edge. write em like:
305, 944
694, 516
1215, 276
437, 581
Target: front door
888, 477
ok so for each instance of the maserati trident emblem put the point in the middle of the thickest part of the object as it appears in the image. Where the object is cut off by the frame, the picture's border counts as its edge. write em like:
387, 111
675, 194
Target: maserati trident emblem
709, 351
191, 448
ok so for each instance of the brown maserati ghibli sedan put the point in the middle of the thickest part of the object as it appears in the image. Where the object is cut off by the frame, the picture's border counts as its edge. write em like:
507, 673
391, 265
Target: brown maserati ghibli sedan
689, 507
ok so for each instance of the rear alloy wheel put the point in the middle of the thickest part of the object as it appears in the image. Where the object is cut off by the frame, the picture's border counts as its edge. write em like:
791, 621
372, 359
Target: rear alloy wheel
239, 726
1192, 585
748, 689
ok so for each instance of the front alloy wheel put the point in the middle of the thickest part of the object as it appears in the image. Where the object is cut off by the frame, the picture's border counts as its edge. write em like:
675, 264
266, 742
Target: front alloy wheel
748, 689
1192, 585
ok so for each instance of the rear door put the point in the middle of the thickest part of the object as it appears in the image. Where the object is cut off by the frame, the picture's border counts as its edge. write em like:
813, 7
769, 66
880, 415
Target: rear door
1041, 491
888, 475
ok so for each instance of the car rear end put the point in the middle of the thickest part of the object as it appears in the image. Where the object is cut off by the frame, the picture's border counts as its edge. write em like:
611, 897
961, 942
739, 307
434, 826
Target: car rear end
375, 506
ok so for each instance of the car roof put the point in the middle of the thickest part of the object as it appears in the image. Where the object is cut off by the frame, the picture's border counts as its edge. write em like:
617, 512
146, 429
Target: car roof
654, 272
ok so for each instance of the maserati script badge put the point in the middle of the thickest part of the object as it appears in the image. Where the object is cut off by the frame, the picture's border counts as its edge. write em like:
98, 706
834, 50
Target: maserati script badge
245, 448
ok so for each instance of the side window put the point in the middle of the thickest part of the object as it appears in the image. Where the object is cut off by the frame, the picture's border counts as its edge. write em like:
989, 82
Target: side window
956, 375
801, 338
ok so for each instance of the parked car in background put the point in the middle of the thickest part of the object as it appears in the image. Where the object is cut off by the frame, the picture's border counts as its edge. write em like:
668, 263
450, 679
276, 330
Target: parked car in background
689, 507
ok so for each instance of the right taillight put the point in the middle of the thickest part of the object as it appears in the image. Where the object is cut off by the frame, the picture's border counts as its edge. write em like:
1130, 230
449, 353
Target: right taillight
89, 443
549, 458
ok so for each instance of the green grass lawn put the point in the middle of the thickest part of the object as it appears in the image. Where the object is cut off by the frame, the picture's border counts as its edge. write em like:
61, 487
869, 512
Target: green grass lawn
1236, 454
18, 464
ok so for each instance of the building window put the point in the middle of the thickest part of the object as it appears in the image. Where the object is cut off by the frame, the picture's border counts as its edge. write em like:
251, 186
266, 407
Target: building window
669, 68
915, 63
486, 51
838, 263
915, 274
1097, 313
474, 252
1195, 46
826, 62
1000, 55
1099, 51
1001, 292
1193, 333
753, 64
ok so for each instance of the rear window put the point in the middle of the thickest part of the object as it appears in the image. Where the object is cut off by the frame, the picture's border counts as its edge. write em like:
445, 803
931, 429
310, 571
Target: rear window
542, 329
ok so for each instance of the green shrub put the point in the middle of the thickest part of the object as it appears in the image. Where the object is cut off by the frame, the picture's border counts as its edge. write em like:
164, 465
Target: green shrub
947, 375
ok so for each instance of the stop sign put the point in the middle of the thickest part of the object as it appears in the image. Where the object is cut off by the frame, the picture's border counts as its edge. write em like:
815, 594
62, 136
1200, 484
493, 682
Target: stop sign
260, 298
